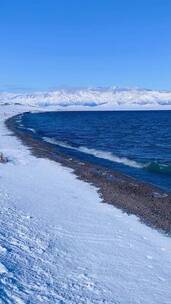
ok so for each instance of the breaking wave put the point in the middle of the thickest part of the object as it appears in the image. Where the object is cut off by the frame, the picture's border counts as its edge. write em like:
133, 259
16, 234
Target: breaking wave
159, 168
97, 153
150, 166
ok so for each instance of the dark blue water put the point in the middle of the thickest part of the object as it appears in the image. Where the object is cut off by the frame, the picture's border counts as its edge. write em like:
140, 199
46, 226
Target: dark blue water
136, 143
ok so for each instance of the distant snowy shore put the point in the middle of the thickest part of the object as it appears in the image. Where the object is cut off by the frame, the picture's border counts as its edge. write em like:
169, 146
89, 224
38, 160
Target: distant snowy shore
112, 98
59, 244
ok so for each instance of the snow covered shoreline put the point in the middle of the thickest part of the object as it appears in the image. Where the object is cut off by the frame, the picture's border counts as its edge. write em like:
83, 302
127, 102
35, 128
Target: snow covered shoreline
115, 188
59, 244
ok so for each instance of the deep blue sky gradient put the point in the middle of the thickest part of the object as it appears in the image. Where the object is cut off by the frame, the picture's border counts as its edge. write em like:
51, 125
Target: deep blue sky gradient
50, 43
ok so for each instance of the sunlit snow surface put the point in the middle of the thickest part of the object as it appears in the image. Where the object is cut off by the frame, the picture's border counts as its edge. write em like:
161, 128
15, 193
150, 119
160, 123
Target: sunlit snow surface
60, 244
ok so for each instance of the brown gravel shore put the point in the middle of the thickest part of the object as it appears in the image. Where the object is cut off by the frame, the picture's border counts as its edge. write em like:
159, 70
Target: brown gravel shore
149, 203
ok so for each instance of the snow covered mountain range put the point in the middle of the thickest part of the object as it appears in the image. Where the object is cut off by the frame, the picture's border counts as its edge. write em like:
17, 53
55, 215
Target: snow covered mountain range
97, 98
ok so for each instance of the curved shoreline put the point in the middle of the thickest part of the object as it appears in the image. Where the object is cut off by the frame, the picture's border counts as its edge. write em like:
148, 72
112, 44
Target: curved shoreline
150, 204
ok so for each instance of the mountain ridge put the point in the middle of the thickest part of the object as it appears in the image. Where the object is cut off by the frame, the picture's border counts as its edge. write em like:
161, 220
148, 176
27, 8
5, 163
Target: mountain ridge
103, 97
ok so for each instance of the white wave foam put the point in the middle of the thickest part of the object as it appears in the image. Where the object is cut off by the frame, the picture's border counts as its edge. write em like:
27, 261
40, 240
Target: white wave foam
97, 153
31, 129
111, 157
59, 143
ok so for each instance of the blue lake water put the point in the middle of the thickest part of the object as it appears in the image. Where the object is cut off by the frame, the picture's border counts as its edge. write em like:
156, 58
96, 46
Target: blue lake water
135, 143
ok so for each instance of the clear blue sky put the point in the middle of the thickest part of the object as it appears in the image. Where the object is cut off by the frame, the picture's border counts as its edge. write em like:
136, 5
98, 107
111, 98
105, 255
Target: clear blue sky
50, 43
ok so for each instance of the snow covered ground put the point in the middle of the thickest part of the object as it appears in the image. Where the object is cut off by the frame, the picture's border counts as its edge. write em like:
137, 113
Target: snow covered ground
60, 244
